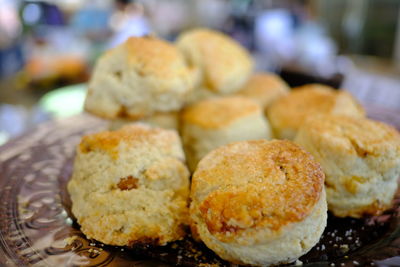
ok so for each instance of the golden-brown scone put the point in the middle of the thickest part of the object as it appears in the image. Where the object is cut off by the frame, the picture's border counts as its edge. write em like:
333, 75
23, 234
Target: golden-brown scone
130, 186
258, 202
166, 120
211, 123
142, 76
361, 160
288, 113
264, 88
223, 63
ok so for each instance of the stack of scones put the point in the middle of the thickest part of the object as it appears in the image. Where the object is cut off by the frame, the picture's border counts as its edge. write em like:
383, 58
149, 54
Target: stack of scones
198, 141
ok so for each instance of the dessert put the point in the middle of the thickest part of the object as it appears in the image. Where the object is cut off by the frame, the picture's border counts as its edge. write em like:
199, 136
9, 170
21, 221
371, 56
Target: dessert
254, 202
288, 113
211, 123
223, 64
131, 186
141, 77
361, 160
258, 202
264, 88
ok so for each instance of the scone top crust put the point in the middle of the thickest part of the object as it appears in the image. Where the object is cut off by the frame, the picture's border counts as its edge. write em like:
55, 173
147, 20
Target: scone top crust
152, 56
140, 77
225, 65
259, 184
360, 137
109, 141
264, 88
292, 109
218, 112
131, 186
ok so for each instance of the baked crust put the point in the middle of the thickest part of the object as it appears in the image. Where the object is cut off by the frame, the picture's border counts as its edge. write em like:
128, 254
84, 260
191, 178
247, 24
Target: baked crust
223, 63
264, 88
131, 186
361, 160
288, 113
109, 141
245, 186
355, 136
138, 78
219, 112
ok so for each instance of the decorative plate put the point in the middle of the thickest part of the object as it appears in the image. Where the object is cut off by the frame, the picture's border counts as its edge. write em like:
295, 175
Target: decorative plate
37, 228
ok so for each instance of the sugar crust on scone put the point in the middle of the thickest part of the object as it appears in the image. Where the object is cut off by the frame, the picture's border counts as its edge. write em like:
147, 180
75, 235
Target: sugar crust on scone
251, 199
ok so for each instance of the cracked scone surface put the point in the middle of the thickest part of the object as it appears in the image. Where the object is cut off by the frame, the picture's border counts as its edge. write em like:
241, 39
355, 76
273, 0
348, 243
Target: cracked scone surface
258, 202
223, 64
288, 113
138, 78
361, 160
211, 123
130, 186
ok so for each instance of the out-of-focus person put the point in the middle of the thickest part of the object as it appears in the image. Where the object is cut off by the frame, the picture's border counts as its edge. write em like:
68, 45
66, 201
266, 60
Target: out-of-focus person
127, 20
11, 56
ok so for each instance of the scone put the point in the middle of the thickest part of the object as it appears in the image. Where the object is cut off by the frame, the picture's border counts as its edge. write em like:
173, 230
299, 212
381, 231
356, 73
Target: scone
288, 113
264, 88
211, 123
360, 158
142, 76
224, 65
131, 186
258, 202
166, 120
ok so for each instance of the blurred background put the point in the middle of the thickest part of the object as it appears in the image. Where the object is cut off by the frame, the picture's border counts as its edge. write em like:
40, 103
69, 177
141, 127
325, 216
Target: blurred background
48, 48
